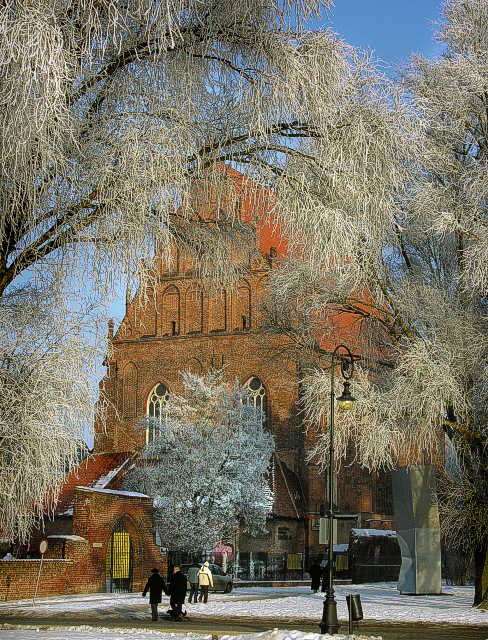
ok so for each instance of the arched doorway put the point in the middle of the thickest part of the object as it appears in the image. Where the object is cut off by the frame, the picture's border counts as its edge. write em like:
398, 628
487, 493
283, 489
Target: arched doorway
119, 560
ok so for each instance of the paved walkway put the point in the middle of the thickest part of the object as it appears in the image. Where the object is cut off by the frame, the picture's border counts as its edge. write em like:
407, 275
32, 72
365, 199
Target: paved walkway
124, 614
237, 626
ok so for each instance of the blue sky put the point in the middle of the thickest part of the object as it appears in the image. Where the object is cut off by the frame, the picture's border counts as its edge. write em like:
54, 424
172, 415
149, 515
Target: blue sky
392, 28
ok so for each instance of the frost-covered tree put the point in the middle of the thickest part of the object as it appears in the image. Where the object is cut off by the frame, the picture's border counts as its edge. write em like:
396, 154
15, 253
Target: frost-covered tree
111, 109
463, 516
406, 288
46, 402
112, 112
207, 468
117, 116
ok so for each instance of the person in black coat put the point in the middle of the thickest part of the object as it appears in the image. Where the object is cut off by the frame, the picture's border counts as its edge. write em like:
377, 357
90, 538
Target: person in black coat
315, 572
325, 576
155, 585
177, 593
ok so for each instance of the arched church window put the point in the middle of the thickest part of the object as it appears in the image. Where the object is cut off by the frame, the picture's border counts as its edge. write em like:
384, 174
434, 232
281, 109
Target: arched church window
156, 409
257, 396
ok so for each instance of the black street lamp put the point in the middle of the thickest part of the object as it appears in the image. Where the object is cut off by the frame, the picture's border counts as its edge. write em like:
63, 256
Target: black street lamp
329, 623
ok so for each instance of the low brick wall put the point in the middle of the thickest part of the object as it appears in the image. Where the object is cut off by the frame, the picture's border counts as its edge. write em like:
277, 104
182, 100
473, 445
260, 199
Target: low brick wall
18, 578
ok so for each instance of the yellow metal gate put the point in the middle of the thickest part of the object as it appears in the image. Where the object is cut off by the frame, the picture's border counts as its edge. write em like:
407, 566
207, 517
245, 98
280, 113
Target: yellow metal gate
119, 561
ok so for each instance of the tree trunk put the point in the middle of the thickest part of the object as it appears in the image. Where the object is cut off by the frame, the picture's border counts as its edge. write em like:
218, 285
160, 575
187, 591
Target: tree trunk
481, 574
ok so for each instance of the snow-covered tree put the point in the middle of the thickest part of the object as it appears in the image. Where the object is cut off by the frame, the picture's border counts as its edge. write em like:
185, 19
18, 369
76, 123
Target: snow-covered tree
406, 288
112, 112
207, 469
111, 109
46, 402
116, 118
463, 516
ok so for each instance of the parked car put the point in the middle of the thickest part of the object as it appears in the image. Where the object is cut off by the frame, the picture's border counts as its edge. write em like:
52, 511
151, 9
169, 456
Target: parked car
221, 581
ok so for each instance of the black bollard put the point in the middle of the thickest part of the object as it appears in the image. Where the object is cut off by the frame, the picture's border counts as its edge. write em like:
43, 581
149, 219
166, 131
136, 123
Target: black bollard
355, 609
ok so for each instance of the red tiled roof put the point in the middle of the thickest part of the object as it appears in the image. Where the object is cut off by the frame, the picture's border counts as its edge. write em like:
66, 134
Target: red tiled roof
258, 200
102, 470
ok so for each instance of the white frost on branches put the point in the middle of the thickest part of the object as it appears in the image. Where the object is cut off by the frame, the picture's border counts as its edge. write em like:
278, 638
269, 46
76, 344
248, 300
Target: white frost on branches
207, 470
450, 96
403, 282
47, 395
110, 112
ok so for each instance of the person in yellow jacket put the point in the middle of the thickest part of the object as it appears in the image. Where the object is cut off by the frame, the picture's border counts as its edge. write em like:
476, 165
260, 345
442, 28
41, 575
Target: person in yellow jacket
205, 581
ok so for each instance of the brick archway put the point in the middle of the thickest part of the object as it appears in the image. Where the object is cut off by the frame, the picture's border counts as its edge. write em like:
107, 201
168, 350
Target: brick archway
96, 514
124, 554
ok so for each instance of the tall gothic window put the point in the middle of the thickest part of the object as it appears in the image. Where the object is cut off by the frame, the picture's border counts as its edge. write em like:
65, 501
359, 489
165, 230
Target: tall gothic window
257, 396
156, 409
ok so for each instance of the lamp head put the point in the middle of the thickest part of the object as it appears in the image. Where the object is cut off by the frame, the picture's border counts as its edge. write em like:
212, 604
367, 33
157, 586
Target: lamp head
346, 400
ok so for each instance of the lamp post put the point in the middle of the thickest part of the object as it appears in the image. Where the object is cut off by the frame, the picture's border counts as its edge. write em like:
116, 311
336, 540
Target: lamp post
329, 622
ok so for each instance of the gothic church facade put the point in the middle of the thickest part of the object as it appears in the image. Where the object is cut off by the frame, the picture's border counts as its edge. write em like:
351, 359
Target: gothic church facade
181, 327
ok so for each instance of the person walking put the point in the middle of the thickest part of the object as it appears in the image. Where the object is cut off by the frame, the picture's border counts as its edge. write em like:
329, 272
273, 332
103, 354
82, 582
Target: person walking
205, 580
155, 585
325, 575
177, 593
315, 572
192, 575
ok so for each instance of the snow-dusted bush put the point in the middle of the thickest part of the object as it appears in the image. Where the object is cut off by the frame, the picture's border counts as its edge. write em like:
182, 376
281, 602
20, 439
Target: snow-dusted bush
207, 468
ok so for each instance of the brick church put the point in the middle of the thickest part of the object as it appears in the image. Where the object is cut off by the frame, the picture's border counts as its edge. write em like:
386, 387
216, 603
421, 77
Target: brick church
182, 327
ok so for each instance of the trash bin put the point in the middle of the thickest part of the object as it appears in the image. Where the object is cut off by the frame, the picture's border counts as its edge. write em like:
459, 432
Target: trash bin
355, 609
354, 606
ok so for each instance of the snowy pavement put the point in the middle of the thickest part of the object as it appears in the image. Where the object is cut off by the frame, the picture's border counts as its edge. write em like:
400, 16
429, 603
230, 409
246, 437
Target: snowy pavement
90, 633
380, 601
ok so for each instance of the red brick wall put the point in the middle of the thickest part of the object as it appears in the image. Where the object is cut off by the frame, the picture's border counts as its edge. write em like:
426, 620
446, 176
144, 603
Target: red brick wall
18, 578
284, 536
63, 571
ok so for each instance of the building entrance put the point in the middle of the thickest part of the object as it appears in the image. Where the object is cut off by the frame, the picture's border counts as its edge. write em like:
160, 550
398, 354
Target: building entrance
119, 561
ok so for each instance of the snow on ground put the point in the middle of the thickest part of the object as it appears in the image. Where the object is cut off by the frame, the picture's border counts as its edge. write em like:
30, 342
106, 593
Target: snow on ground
86, 632
380, 601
